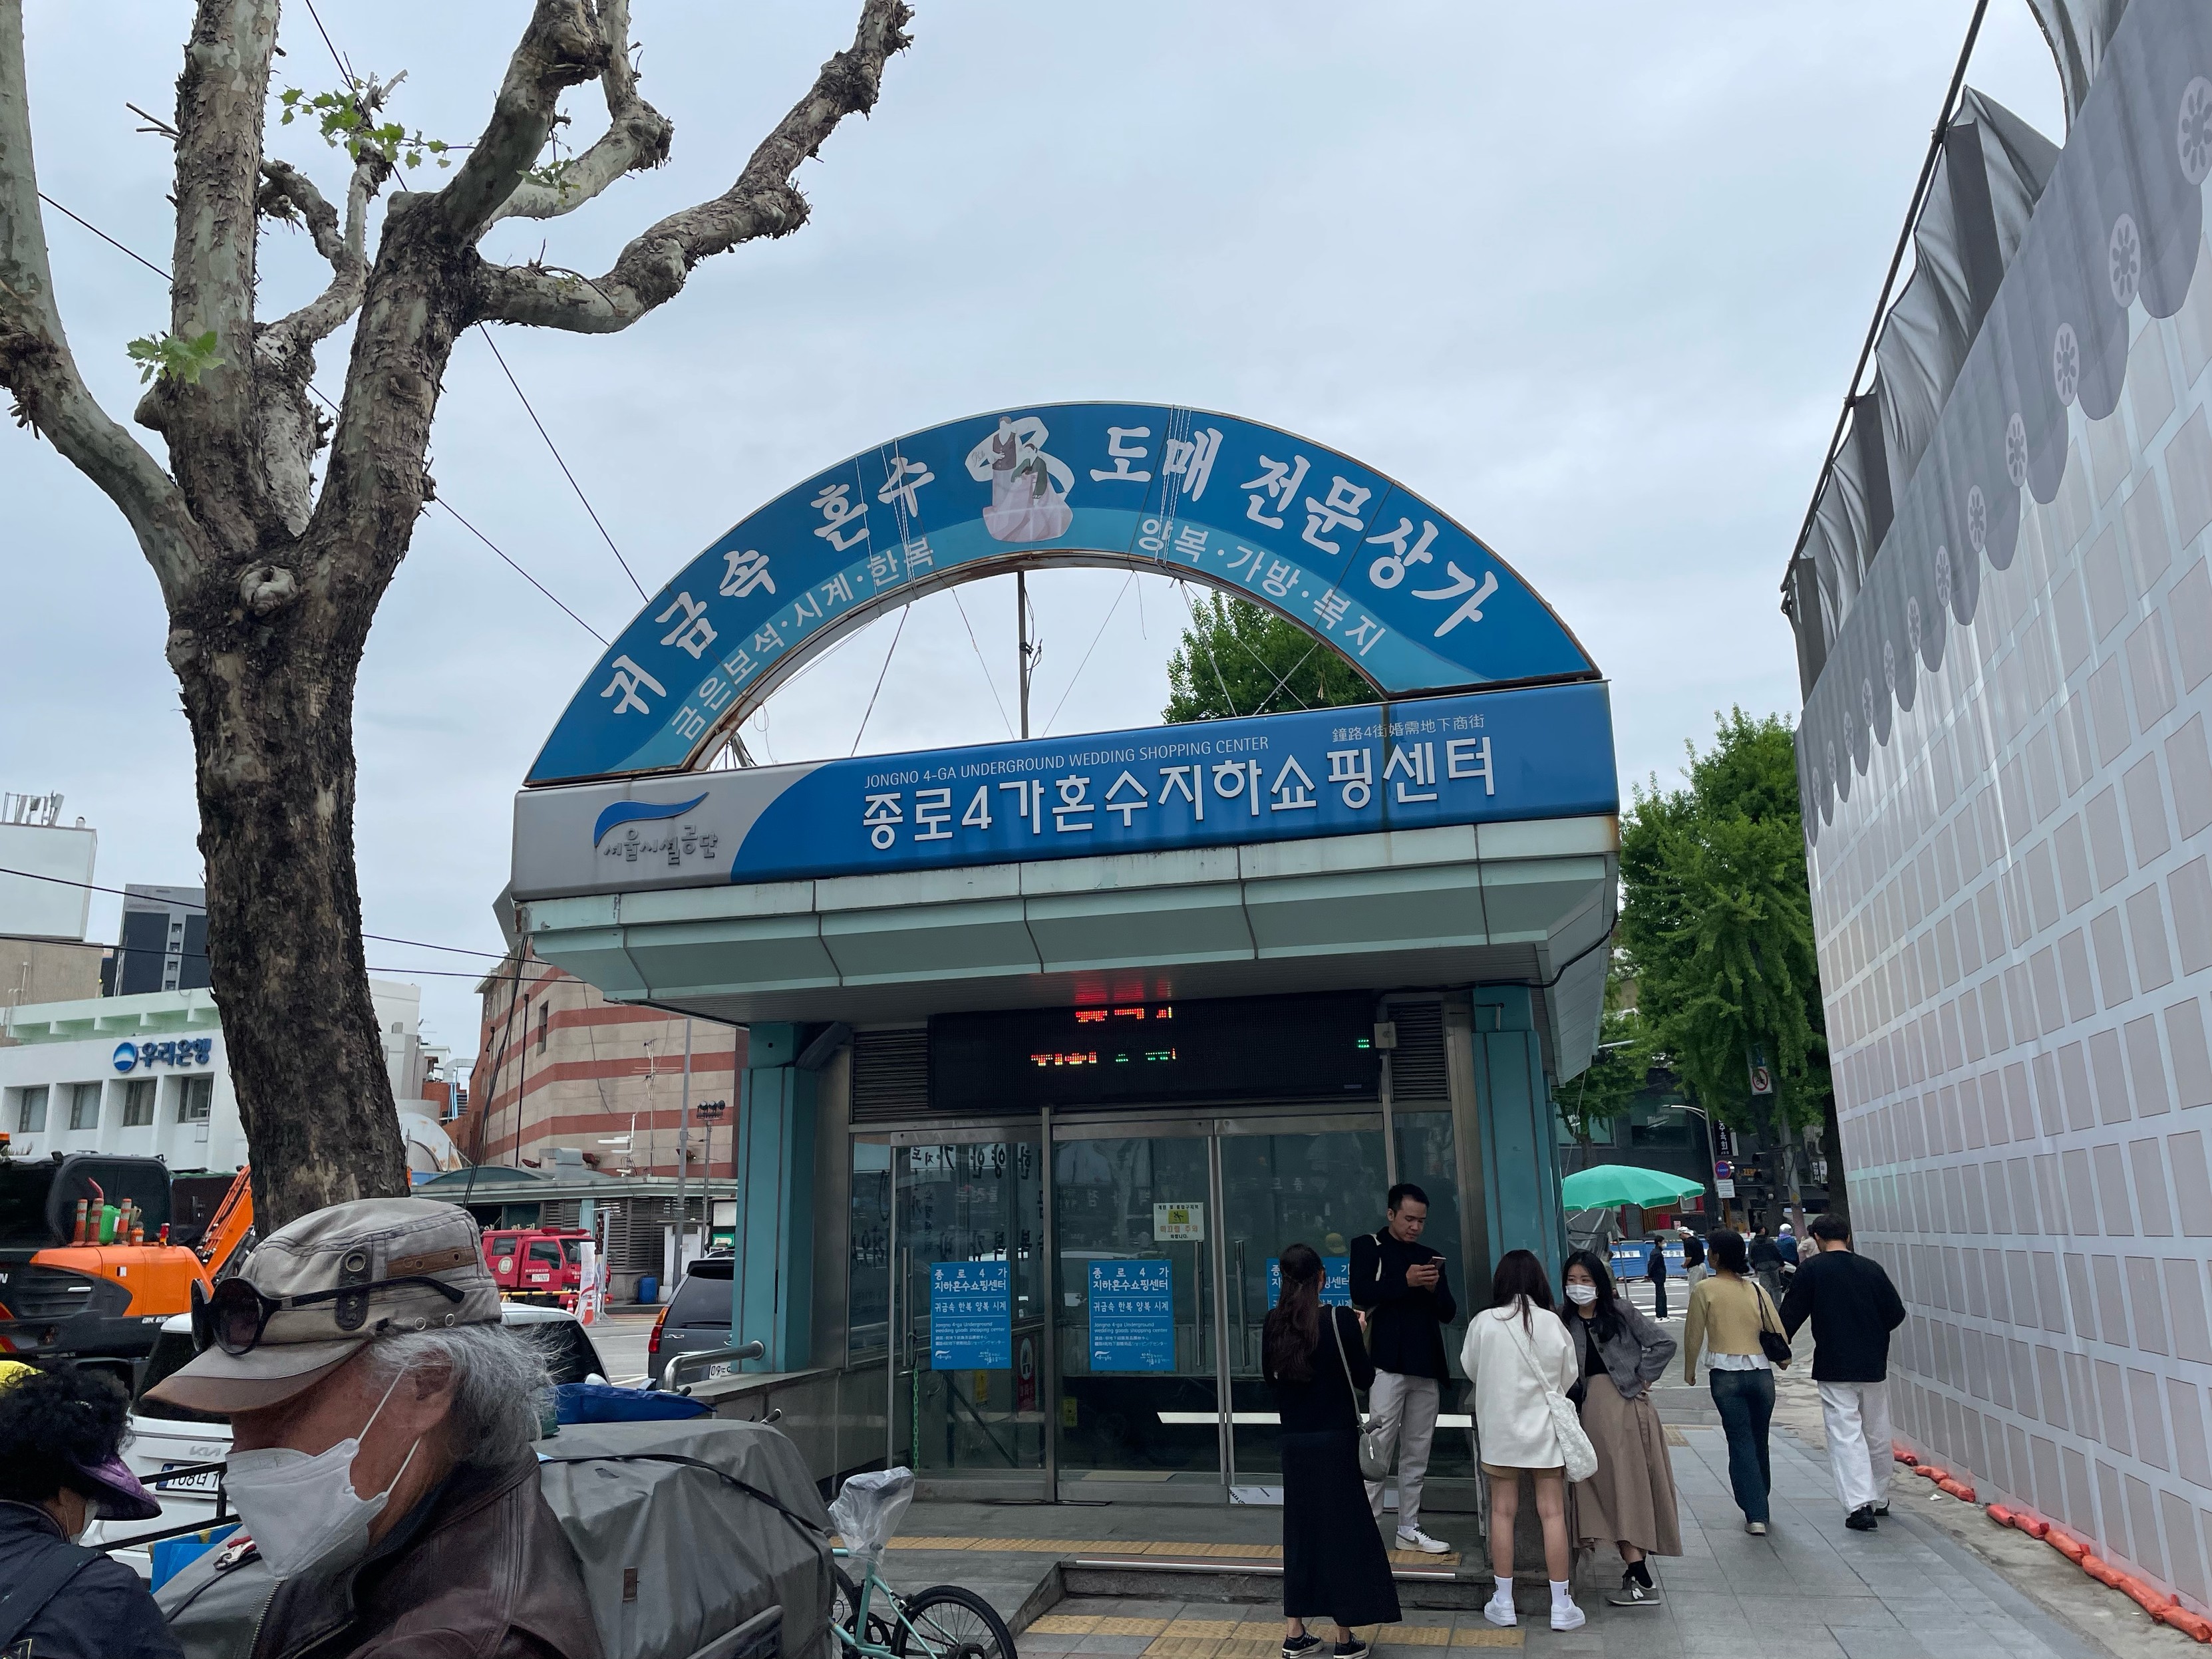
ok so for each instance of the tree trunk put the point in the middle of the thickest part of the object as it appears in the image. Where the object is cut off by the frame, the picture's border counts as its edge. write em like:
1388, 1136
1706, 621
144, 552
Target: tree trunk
271, 714
1832, 1148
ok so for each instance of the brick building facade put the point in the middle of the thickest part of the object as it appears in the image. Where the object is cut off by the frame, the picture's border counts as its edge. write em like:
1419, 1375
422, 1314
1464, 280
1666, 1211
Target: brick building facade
560, 1065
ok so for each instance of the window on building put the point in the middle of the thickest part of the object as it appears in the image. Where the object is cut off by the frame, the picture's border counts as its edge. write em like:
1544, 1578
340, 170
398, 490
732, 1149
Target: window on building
84, 1105
138, 1103
195, 1100
31, 1110
543, 1011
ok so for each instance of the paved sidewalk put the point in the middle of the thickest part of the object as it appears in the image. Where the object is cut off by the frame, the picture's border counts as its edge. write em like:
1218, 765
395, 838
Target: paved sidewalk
1810, 1589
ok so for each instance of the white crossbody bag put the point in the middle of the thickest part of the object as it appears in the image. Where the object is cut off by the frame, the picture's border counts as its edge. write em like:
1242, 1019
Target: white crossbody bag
1574, 1443
1375, 1447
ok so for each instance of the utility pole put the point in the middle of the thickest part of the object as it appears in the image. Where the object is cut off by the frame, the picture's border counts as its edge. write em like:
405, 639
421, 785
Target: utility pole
683, 1153
1022, 633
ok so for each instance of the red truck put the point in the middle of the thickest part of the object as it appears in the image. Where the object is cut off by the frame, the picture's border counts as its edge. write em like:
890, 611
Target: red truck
537, 1264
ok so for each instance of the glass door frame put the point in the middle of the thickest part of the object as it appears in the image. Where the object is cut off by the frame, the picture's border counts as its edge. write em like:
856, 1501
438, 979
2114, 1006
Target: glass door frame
899, 1355
1212, 1122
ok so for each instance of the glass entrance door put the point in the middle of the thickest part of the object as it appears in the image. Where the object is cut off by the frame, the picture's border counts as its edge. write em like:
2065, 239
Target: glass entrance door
1319, 1186
970, 1305
1138, 1307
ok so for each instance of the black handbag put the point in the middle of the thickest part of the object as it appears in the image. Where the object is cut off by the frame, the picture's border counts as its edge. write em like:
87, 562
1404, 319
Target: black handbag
1771, 1342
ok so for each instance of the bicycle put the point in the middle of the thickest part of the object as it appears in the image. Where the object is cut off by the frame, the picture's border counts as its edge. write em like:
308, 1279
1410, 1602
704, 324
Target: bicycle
944, 1622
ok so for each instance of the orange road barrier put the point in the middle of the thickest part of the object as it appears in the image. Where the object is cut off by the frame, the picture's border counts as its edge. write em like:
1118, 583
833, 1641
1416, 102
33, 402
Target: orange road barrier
1958, 1489
2155, 1603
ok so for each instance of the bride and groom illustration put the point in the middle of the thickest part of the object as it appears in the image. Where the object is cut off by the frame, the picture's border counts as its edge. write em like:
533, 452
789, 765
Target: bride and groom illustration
1029, 488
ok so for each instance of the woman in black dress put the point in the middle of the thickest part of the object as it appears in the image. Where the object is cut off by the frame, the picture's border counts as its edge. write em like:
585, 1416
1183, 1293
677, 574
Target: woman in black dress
1334, 1563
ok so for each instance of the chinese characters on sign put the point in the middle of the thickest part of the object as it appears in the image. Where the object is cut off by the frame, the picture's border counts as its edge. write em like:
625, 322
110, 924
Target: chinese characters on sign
971, 1316
1132, 1316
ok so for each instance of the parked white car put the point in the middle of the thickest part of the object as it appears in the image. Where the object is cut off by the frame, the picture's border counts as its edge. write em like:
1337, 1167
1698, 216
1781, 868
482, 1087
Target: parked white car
164, 1437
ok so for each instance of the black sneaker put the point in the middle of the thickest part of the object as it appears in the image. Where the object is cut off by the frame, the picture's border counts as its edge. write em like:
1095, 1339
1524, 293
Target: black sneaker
1297, 1647
1881, 1509
1355, 1649
1861, 1519
1634, 1593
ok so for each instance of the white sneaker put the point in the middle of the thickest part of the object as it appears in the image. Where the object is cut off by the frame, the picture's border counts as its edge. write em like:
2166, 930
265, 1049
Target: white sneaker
1568, 1616
1499, 1609
1418, 1539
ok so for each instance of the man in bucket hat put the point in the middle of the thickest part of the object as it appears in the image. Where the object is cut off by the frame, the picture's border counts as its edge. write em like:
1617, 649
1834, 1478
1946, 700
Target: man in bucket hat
61, 1467
380, 1460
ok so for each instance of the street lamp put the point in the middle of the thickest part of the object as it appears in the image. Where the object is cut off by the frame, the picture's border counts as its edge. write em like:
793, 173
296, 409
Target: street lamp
1712, 1151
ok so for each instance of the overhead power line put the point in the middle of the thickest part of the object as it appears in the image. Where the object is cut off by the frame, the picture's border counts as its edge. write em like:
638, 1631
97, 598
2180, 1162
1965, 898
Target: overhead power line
320, 396
193, 904
561, 462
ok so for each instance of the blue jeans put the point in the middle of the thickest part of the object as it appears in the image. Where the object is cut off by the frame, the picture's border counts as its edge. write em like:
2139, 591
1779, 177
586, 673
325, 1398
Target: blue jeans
1746, 1402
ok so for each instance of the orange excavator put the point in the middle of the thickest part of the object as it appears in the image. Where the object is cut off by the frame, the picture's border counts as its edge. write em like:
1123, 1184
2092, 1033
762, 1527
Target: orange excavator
87, 1265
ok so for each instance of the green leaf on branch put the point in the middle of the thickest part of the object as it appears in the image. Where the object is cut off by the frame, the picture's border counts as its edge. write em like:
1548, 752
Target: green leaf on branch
347, 121
174, 358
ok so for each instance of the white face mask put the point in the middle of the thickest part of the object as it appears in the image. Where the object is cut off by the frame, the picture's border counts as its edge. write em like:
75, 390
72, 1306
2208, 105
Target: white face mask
1582, 1295
302, 1511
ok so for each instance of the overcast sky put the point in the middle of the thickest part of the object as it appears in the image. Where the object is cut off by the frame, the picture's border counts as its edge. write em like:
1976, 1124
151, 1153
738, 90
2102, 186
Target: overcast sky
1589, 277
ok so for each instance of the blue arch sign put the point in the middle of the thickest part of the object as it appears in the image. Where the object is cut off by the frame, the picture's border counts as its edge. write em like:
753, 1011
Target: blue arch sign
1411, 599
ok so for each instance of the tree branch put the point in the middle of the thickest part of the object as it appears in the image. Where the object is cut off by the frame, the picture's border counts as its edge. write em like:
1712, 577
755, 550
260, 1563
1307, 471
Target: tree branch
763, 202
562, 47
637, 136
35, 362
221, 99
288, 191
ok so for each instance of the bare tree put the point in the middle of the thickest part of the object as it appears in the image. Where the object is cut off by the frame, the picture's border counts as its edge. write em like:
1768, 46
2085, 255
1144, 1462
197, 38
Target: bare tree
271, 584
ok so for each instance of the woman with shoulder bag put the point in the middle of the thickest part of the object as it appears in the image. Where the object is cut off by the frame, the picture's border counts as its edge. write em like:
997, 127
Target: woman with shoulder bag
1630, 1502
1734, 1320
1314, 1359
1523, 1366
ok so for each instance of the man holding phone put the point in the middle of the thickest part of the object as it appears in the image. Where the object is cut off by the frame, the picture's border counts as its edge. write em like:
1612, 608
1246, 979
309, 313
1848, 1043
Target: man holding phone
1399, 1282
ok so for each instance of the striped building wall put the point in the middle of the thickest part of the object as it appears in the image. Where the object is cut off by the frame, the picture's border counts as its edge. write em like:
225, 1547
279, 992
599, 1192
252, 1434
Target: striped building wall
560, 1066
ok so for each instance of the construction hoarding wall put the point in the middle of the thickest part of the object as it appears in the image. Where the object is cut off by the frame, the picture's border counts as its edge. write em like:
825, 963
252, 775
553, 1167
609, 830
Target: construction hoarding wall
2007, 788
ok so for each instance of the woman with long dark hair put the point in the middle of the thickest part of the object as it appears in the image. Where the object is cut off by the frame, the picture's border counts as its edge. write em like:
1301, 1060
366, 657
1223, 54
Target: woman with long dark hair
1630, 1502
1334, 1563
1727, 1313
1518, 1354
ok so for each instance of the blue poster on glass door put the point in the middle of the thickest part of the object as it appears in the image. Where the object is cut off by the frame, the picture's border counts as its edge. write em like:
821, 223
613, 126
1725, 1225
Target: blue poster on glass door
971, 1316
1335, 1281
1133, 1315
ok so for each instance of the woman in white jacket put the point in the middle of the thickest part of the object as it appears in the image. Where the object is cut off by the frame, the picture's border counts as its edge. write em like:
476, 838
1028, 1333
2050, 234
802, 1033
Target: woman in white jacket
1518, 1353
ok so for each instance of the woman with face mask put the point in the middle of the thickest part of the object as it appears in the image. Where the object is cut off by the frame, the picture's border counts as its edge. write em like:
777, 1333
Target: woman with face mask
61, 1468
1619, 1353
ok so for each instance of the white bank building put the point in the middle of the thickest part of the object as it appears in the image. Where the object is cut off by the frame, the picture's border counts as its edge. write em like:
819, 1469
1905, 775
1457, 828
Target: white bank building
147, 1075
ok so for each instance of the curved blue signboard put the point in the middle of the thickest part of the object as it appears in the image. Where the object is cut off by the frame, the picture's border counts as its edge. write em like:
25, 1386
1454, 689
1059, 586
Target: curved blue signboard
1407, 595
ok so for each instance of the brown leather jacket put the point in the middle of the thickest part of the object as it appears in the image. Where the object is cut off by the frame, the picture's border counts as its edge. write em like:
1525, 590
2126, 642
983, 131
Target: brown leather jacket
480, 1568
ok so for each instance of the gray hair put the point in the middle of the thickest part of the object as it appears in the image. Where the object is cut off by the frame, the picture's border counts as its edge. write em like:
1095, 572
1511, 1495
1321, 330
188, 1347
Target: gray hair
500, 1377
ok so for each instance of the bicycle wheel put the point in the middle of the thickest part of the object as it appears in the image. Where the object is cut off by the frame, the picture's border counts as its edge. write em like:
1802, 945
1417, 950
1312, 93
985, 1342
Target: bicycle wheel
951, 1623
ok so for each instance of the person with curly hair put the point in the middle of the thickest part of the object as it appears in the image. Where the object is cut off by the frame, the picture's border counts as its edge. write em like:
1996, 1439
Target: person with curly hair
61, 1468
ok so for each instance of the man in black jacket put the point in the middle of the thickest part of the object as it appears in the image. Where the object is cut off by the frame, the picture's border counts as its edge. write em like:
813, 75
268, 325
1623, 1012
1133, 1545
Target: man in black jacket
1400, 1282
1853, 1308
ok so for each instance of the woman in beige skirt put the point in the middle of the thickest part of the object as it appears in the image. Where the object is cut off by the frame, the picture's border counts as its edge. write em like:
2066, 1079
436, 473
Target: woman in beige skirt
1619, 1353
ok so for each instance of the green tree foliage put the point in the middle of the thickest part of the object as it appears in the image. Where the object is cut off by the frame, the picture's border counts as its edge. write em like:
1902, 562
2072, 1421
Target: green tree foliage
1239, 658
1718, 920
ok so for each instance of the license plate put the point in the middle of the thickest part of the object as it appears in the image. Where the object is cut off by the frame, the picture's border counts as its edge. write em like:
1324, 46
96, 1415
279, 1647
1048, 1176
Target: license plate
720, 1368
539, 1278
196, 1483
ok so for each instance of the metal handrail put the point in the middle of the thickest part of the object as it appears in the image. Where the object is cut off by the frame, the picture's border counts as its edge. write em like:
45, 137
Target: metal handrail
673, 1379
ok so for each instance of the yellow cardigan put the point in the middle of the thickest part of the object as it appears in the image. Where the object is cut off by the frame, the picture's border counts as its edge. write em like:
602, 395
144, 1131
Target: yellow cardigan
1724, 1316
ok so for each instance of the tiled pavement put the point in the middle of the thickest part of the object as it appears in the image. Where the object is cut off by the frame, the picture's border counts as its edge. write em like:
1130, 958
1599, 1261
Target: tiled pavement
1810, 1589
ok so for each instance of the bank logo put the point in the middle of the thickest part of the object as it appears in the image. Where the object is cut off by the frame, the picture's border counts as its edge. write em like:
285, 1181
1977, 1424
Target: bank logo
638, 812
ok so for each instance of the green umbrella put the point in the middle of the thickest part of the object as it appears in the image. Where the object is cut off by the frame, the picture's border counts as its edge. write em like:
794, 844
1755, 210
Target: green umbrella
1610, 1184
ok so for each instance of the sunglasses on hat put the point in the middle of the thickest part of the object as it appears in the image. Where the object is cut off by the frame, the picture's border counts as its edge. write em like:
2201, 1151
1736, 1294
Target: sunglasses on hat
235, 1314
